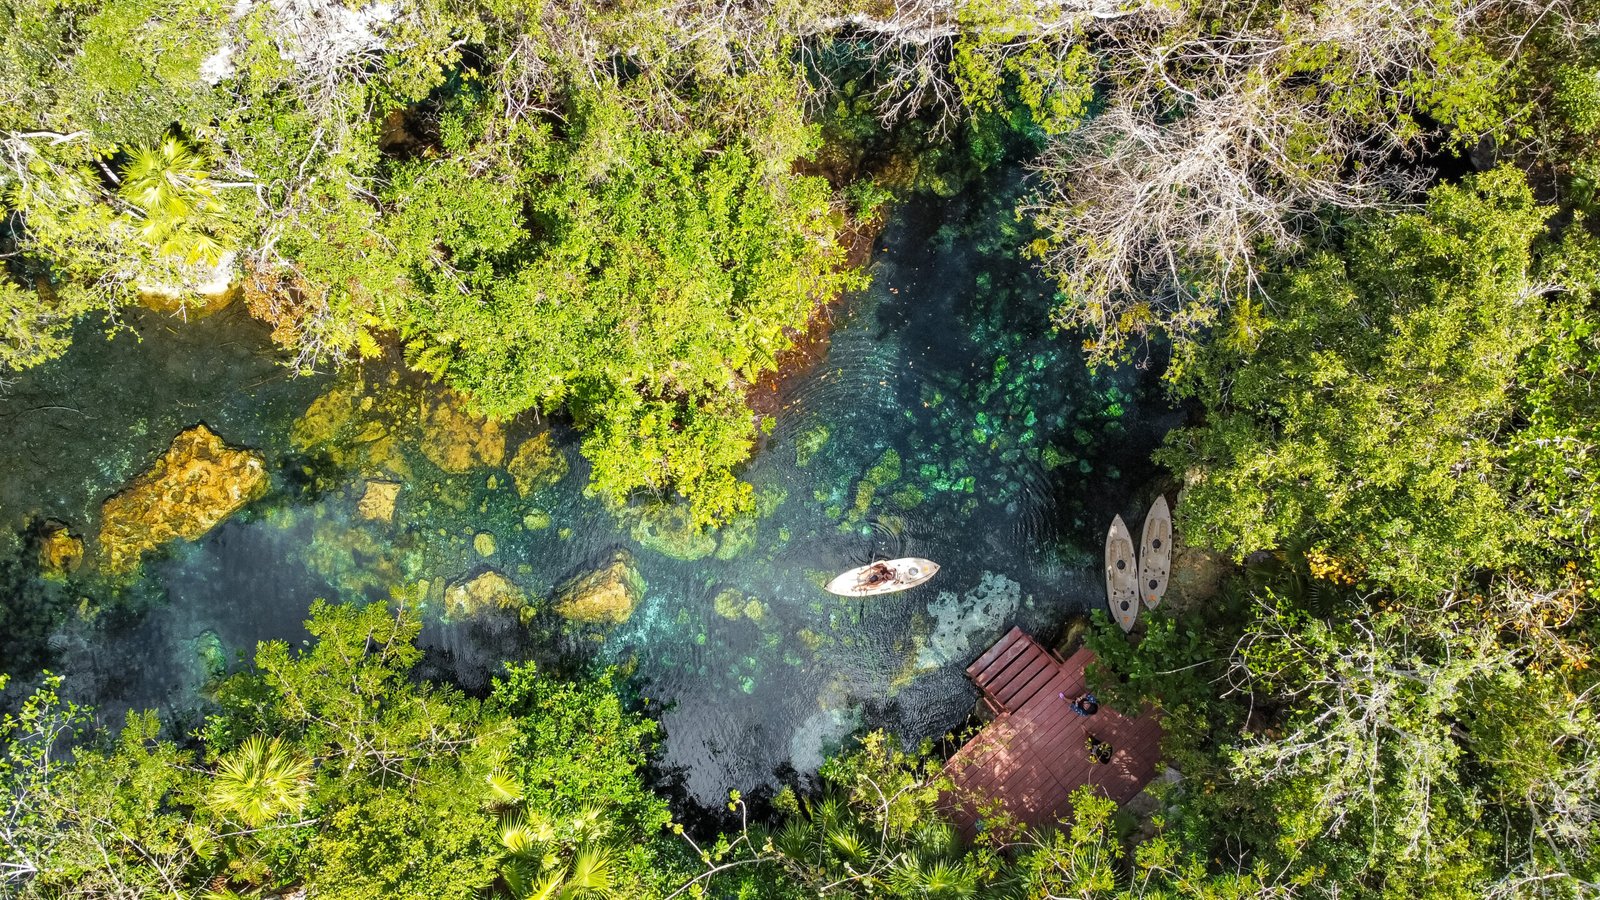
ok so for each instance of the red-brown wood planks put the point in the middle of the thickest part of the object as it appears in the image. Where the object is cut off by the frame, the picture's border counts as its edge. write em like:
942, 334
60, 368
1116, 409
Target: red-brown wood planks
1035, 754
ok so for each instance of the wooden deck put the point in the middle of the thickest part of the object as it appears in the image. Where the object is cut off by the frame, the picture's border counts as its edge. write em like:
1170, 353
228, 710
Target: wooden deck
1034, 754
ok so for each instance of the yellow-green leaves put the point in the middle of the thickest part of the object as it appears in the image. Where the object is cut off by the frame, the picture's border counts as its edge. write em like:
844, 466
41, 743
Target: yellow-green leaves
180, 213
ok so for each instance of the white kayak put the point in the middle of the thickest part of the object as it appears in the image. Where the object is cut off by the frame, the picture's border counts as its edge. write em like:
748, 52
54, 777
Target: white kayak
883, 577
1155, 553
1122, 586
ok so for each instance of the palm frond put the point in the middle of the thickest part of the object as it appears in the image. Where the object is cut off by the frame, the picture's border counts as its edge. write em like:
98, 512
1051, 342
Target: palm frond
847, 845
519, 837
170, 187
795, 839
504, 788
591, 874
260, 781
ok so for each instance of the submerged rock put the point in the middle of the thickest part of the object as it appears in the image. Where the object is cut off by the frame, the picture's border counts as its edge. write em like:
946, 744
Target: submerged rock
60, 551
354, 425
885, 471
196, 484
457, 440
210, 654
536, 465
483, 543
809, 443
378, 501
729, 604
487, 591
956, 621
670, 530
733, 605
607, 595
736, 538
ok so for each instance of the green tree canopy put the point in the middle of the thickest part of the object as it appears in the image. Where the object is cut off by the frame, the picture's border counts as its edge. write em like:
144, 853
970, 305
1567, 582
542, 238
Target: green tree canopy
1376, 411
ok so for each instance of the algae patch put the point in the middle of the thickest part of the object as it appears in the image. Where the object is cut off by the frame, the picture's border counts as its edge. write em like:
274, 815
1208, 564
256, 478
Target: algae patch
537, 465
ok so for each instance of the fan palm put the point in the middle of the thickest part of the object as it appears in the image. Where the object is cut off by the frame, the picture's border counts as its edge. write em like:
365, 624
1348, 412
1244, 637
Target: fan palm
260, 781
590, 875
535, 870
171, 187
504, 788
935, 880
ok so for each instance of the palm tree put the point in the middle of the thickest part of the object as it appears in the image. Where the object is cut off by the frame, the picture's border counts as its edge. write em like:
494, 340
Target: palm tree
171, 187
537, 870
260, 781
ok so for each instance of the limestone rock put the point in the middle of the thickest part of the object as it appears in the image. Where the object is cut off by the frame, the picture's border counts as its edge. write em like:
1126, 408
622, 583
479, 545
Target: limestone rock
458, 441
377, 502
353, 424
204, 288
606, 595
1197, 576
729, 604
487, 591
197, 483
60, 551
670, 530
483, 543
214, 297
537, 465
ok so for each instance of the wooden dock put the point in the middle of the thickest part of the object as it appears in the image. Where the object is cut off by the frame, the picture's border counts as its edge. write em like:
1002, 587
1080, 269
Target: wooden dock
1034, 754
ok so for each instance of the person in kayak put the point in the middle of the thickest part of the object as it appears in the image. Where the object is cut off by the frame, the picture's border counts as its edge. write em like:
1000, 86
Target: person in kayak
879, 574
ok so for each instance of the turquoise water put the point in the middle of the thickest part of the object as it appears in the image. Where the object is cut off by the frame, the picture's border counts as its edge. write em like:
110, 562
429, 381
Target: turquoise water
946, 421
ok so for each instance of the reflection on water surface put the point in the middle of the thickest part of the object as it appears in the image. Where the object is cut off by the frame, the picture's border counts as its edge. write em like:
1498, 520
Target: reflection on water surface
945, 422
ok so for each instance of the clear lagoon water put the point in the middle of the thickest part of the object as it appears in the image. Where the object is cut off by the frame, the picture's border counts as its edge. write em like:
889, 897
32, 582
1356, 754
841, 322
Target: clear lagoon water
946, 420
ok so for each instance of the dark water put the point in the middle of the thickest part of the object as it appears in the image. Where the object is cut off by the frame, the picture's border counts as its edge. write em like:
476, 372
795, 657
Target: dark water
946, 422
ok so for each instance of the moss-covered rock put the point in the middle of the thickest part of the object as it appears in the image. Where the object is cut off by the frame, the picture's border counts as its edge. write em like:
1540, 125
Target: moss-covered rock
607, 595
537, 464
210, 655
197, 483
670, 530
458, 440
357, 425
908, 497
484, 592
810, 441
378, 500
736, 538
729, 604
60, 551
483, 543
885, 471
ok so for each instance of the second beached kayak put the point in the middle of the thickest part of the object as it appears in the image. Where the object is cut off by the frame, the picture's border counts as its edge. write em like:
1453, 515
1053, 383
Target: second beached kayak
1122, 576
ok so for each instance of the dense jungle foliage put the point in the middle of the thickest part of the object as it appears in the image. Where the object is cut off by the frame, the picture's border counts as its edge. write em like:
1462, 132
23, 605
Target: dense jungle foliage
625, 213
